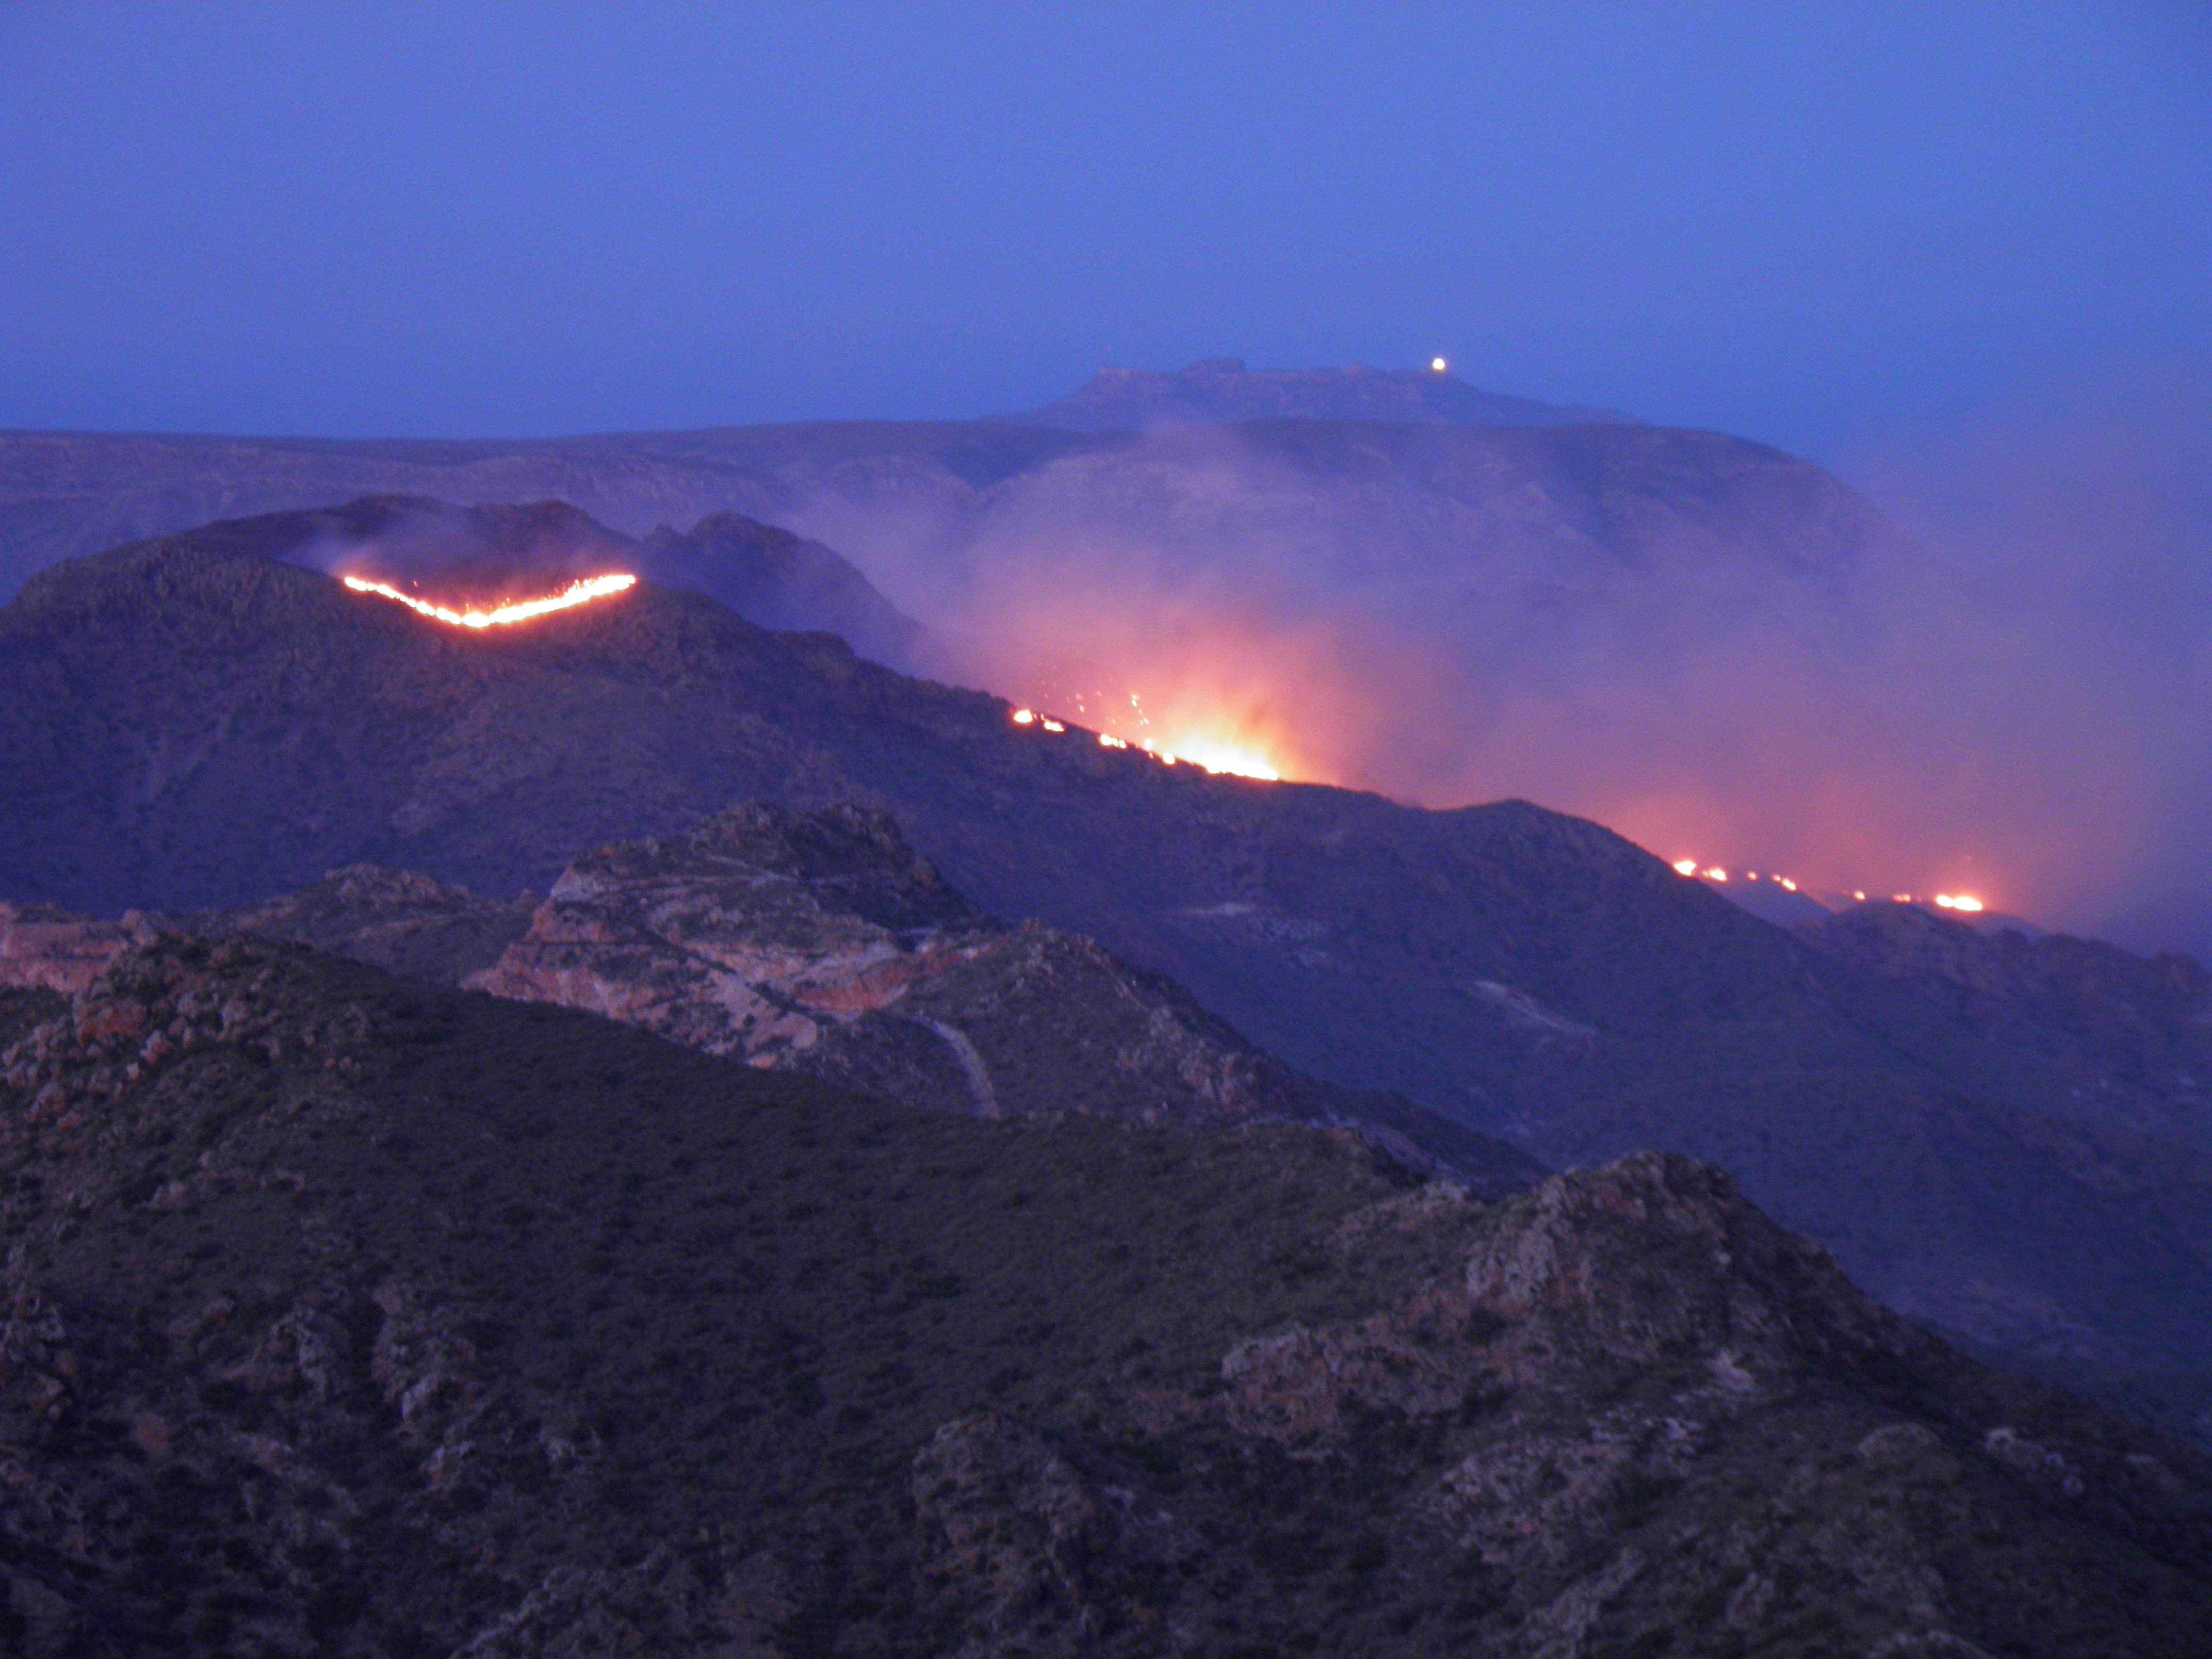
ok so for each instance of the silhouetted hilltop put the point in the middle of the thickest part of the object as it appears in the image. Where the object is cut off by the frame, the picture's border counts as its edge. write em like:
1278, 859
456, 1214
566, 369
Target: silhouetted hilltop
495, 553
780, 581
1217, 391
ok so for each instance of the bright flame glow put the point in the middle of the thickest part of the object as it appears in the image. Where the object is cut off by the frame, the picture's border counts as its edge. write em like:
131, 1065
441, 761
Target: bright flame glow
1717, 874
1219, 754
1787, 883
1209, 752
580, 592
1686, 866
1958, 902
1438, 365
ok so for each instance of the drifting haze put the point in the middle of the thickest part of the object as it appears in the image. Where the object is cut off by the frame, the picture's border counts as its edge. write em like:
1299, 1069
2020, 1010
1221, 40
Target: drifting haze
2059, 639
1996, 687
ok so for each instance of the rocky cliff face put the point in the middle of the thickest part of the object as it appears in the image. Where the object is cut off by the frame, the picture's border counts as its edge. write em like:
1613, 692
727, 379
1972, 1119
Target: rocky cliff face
750, 935
353, 1316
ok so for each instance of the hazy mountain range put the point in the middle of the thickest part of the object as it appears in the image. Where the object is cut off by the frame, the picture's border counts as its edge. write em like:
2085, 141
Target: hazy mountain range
1220, 390
193, 722
67, 492
1718, 648
1052, 1199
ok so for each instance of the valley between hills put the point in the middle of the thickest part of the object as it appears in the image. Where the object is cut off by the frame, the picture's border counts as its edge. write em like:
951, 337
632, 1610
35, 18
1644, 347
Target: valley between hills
648, 1132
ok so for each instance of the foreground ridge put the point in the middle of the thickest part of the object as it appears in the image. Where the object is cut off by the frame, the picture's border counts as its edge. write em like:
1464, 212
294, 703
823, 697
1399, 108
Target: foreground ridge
362, 1315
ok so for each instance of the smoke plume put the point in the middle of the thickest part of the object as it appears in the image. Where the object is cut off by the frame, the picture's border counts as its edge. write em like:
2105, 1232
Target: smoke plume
1994, 683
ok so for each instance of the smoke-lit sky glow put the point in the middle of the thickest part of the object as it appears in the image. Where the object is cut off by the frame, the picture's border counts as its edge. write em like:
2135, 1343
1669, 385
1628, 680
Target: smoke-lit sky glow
1962, 253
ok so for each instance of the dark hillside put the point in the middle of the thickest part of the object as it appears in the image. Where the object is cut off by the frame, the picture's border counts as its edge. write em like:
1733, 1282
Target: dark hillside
352, 1315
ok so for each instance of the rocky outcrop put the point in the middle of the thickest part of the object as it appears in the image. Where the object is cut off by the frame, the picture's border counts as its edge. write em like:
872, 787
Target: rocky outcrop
1654, 1265
1580, 1405
395, 920
46, 948
748, 936
819, 941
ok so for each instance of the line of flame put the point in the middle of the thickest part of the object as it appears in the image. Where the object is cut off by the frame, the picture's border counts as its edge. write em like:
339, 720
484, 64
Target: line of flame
1960, 901
580, 592
1215, 757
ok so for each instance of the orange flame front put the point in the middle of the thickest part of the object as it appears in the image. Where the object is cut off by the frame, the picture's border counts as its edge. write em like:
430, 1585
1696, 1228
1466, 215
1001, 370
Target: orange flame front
1963, 903
580, 592
1209, 752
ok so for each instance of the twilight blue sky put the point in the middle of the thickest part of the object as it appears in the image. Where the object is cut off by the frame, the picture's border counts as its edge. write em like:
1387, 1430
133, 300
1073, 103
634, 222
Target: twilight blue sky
1817, 224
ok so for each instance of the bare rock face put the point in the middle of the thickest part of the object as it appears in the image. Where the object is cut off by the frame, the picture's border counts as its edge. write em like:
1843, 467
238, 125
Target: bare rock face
1658, 1256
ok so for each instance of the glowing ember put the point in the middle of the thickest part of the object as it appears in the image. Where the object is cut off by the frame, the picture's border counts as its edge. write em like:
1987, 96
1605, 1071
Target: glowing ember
1437, 365
581, 592
1023, 717
1054, 726
1715, 874
1686, 866
1958, 902
1108, 740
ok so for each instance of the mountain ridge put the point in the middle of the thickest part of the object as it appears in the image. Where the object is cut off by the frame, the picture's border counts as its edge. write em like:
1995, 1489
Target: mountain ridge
355, 1316
1222, 391
199, 725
